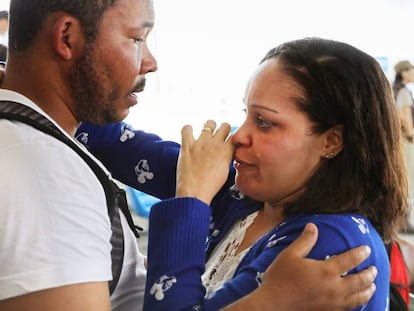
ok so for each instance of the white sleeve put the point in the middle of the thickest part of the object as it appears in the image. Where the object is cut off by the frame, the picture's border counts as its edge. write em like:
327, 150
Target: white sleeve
54, 226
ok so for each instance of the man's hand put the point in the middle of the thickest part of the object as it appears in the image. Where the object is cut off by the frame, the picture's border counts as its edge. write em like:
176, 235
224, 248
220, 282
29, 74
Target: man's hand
293, 282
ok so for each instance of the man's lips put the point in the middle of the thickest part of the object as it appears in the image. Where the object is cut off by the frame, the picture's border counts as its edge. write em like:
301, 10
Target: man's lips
134, 94
139, 87
135, 91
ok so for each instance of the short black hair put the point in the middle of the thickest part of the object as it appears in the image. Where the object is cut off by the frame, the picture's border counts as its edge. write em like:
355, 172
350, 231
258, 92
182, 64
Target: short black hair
27, 17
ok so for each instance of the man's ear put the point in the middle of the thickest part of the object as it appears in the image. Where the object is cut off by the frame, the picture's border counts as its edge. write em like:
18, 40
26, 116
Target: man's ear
68, 37
334, 141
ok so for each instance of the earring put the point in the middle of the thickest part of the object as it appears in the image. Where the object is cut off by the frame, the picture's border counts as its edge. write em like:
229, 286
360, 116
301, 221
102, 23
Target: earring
330, 155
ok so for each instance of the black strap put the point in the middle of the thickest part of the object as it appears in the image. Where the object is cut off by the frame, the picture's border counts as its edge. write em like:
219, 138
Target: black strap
115, 197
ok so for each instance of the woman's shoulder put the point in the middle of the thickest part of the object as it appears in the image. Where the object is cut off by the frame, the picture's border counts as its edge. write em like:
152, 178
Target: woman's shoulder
341, 223
336, 232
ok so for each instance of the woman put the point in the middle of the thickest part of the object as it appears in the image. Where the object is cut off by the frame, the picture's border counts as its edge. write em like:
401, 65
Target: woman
320, 144
404, 74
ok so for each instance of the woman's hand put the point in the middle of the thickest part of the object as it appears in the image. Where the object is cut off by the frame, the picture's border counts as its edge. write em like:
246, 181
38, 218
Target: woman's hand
203, 163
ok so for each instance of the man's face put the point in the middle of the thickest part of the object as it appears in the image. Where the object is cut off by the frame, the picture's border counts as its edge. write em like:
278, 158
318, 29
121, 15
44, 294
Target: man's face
104, 82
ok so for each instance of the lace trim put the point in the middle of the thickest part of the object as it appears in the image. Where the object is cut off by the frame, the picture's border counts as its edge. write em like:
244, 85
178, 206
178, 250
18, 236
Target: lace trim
223, 262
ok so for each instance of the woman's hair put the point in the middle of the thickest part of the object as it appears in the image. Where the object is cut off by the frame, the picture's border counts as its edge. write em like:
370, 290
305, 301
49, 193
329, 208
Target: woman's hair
342, 85
27, 17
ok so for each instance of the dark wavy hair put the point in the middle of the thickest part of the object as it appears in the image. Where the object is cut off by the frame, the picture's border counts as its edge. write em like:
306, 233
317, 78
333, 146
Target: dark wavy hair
27, 16
342, 85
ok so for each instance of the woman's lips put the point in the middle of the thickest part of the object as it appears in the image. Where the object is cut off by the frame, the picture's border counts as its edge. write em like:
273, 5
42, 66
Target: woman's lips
237, 163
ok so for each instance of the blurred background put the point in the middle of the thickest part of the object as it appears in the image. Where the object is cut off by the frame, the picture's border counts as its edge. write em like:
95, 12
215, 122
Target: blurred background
206, 50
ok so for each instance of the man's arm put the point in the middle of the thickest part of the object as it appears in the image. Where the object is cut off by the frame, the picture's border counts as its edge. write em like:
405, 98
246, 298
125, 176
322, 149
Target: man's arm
79, 297
293, 282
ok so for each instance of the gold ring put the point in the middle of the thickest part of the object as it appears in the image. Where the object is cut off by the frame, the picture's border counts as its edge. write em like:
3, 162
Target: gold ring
208, 129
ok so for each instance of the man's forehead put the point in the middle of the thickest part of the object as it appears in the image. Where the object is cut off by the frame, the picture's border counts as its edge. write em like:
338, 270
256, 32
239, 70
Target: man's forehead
148, 7
140, 12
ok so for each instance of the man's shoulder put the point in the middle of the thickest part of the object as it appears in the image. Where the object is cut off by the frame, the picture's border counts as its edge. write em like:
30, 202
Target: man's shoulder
37, 155
16, 132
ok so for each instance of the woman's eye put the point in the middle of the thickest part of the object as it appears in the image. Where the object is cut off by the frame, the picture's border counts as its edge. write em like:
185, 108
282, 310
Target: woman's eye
262, 122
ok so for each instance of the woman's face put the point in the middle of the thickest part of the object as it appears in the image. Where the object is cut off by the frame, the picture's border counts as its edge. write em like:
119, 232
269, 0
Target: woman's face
276, 153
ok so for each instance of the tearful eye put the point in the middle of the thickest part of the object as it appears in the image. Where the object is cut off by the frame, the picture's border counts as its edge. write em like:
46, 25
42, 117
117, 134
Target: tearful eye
262, 122
138, 41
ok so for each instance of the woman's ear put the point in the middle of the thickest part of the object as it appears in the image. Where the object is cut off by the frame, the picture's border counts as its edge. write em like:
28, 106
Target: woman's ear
334, 142
68, 37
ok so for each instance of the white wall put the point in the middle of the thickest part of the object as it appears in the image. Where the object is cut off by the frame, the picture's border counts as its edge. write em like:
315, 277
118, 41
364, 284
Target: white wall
4, 4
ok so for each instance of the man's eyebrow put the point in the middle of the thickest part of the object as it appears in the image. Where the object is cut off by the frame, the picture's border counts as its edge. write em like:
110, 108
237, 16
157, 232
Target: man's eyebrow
148, 24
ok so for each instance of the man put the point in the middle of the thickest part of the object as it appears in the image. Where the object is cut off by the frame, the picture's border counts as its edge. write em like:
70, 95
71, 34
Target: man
72, 61
76, 61
4, 28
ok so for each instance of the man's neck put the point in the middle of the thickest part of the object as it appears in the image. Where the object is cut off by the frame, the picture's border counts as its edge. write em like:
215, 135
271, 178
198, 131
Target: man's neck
45, 90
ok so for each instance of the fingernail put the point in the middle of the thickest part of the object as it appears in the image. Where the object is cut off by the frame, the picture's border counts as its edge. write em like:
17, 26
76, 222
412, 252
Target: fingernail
374, 271
368, 250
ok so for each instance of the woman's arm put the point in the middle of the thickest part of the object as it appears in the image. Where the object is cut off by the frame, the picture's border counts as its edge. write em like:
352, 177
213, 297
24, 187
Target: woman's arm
292, 283
138, 159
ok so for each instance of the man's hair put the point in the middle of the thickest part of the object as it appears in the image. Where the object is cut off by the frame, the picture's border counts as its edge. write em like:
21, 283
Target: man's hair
341, 85
27, 17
